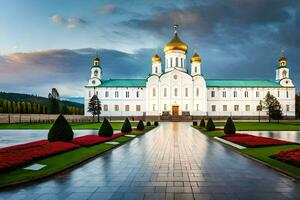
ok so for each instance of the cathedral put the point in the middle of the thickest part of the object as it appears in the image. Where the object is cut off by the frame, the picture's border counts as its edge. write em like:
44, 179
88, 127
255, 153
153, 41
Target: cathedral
171, 91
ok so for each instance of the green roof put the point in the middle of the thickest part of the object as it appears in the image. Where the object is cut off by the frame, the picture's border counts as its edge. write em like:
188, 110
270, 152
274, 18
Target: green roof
124, 83
209, 83
240, 83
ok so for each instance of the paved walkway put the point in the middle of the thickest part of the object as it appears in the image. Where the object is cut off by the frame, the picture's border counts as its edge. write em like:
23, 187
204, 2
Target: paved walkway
174, 161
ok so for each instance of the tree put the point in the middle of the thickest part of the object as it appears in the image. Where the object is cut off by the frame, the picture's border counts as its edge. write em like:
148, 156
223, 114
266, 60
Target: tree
14, 107
9, 108
229, 127
140, 125
19, 107
53, 102
5, 106
29, 109
106, 129
23, 110
126, 128
34, 108
60, 130
94, 107
271, 104
210, 125
276, 115
202, 123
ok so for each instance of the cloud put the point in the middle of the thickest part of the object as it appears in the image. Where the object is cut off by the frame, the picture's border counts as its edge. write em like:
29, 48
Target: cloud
107, 9
72, 22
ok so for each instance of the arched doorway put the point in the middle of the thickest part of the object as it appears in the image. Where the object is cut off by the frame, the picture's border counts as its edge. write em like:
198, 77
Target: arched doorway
175, 110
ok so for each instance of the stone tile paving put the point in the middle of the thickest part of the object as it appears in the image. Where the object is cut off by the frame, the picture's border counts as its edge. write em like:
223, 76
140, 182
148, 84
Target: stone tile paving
174, 161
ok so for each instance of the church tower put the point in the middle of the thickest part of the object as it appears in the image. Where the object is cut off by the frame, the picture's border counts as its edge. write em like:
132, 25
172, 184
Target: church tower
196, 64
175, 53
96, 72
282, 72
156, 65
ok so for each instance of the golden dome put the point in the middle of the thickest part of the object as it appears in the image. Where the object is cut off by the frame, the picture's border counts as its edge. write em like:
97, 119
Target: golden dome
156, 58
196, 58
282, 58
176, 43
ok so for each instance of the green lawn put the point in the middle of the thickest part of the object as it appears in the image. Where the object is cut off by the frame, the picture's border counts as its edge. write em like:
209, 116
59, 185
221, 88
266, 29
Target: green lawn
264, 126
62, 161
262, 154
86, 125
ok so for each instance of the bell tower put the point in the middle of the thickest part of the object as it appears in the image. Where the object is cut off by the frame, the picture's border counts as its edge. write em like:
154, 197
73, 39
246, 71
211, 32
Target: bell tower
96, 72
282, 72
196, 64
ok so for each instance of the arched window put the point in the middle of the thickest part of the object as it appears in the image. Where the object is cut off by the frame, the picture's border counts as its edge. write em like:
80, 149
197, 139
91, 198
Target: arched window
182, 62
197, 92
171, 63
165, 92
175, 92
284, 73
246, 93
176, 62
153, 92
156, 71
196, 69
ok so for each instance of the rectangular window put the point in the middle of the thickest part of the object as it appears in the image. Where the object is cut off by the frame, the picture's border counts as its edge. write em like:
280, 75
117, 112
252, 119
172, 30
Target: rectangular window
117, 108
165, 92
197, 92
138, 107
116, 94
247, 107
153, 107
126, 108
224, 94
165, 106
236, 108
212, 93
213, 108
225, 108
186, 92
153, 92
287, 94
105, 107
175, 92
106, 94
197, 107
235, 94
97, 93
278, 93
127, 94
257, 94
258, 108
90, 93
287, 108
137, 94
186, 106
246, 94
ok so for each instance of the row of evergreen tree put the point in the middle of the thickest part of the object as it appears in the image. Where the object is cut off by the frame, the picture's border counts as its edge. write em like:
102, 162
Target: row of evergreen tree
22, 107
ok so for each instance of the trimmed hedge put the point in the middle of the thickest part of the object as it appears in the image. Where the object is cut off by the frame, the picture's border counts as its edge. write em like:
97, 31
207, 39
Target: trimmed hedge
202, 123
229, 127
195, 123
148, 123
106, 129
60, 130
126, 128
156, 123
210, 125
140, 125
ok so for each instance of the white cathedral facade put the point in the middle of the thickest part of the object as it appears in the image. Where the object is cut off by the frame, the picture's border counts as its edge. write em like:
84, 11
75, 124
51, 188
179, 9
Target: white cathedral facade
171, 91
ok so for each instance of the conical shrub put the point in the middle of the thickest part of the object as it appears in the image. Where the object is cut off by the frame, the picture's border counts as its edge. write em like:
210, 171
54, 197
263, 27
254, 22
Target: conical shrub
148, 123
229, 127
210, 125
140, 125
60, 130
202, 123
106, 129
126, 128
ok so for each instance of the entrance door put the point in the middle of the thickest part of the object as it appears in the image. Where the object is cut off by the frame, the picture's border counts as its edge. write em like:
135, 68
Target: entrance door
175, 110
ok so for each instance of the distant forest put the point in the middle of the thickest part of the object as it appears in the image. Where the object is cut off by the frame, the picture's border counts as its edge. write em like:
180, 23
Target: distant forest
33, 104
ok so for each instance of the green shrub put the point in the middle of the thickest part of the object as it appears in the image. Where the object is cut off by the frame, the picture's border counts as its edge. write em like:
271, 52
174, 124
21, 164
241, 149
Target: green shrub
210, 125
229, 127
156, 123
195, 123
106, 129
126, 128
202, 123
140, 125
60, 130
148, 123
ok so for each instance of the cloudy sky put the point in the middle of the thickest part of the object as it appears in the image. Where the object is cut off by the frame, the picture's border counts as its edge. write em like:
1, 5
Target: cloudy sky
51, 43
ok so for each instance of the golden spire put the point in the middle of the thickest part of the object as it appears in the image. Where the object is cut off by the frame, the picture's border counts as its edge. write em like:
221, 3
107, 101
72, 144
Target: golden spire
282, 57
176, 43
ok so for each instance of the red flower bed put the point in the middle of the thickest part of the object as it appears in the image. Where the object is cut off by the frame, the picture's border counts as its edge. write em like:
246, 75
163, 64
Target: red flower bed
90, 140
253, 141
19, 155
289, 156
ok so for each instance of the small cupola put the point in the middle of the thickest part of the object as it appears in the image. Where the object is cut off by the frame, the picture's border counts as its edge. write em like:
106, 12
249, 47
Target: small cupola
156, 58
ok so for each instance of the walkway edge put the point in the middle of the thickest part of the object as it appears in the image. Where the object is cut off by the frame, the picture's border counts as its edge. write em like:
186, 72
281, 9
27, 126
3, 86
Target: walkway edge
285, 173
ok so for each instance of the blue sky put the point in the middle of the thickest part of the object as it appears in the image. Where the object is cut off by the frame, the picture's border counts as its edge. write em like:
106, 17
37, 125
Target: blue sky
47, 44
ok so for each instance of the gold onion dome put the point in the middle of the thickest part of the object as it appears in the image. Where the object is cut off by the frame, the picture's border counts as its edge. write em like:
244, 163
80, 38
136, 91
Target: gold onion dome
196, 58
282, 58
156, 58
176, 43
96, 59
